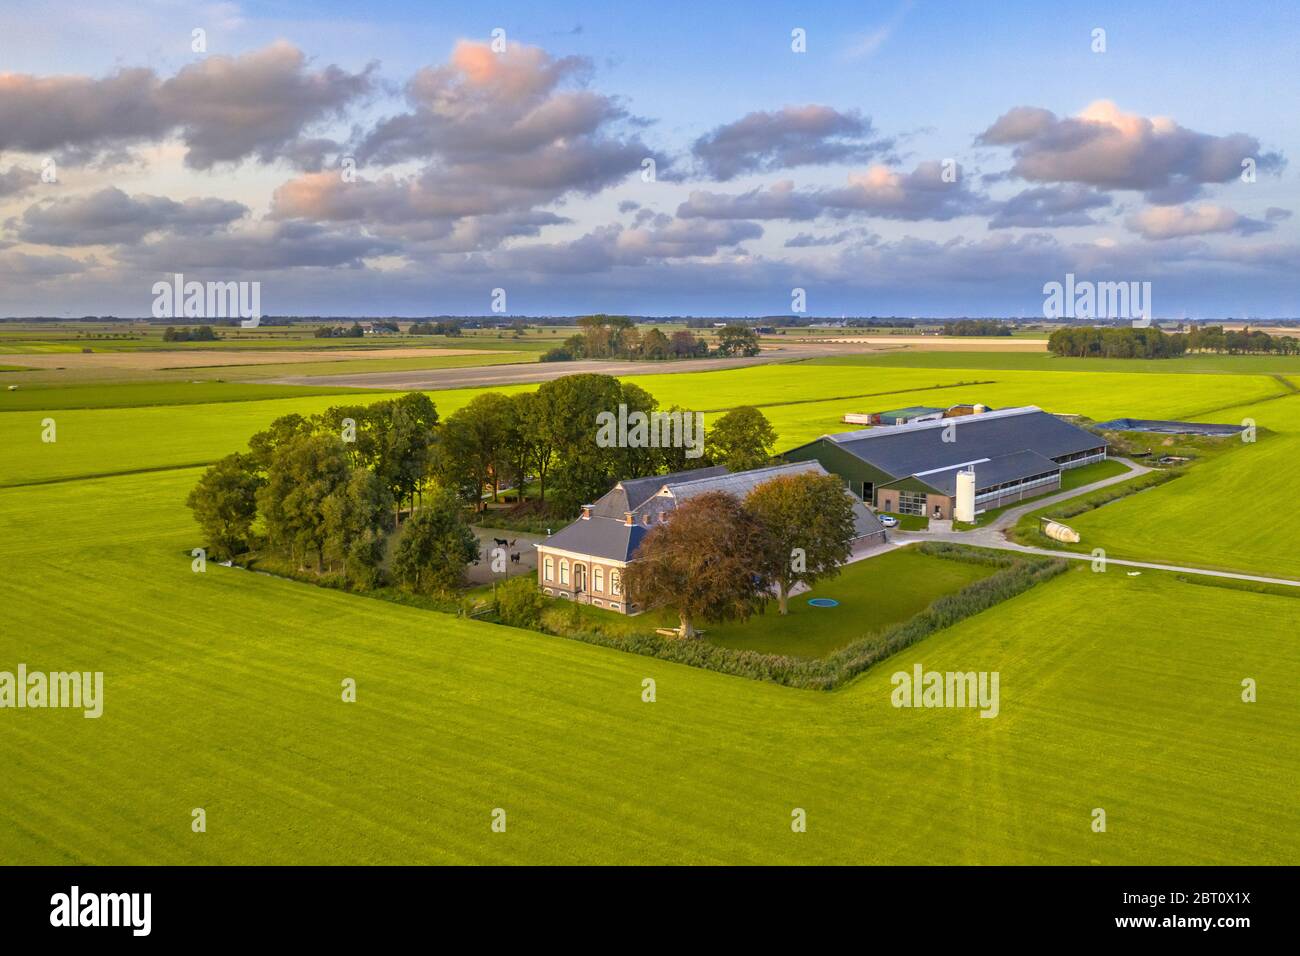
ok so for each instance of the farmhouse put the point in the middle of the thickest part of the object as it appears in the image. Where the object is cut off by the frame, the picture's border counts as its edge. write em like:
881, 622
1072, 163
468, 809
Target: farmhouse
586, 560
980, 461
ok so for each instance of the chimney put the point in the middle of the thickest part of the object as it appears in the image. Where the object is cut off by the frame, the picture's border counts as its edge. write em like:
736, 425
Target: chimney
628, 518
586, 512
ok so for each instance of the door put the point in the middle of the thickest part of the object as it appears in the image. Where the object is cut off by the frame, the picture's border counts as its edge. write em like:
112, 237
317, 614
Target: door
579, 578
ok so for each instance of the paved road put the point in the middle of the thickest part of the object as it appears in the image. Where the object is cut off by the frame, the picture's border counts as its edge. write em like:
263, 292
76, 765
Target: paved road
528, 372
994, 535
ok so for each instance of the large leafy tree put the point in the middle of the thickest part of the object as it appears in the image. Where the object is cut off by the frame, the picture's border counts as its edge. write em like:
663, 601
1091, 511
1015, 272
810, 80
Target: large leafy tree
224, 503
355, 515
741, 439
706, 563
472, 452
435, 546
807, 523
737, 339
567, 411
303, 473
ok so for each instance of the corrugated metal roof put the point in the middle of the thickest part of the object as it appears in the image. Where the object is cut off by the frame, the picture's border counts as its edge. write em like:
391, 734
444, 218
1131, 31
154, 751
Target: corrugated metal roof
902, 450
990, 471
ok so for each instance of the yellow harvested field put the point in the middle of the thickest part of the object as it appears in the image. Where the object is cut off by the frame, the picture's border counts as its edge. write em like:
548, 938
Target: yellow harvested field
210, 358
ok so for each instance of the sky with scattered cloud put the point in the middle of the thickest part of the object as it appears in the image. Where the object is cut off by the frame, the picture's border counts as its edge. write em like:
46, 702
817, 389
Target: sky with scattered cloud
892, 159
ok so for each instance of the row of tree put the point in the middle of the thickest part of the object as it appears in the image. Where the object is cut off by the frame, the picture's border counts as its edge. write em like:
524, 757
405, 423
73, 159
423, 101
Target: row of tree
1128, 342
618, 337
720, 558
979, 327
201, 333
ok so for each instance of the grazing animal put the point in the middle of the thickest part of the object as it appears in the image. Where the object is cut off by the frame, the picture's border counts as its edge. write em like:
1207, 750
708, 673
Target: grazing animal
514, 558
502, 542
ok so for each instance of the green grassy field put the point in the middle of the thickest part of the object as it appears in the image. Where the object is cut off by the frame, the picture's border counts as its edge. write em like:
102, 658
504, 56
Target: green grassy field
222, 692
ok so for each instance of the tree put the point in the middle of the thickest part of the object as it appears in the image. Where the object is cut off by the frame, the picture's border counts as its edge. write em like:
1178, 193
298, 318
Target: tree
283, 430
741, 439
737, 339
303, 473
435, 546
654, 345
522, 441
807, 522
706, 562
224, 503
567, 412
472, 452
355, 515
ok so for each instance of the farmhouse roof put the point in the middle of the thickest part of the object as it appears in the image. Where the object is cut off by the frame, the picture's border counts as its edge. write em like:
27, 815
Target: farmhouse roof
990, 471
902, 450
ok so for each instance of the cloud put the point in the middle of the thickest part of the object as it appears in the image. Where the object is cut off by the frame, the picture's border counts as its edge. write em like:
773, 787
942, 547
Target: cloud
225, 109
1276, 214
110, 216
924, 193
1171, 222
17, 180
1109, 149
260, 250
1049, 206
792, 136
806, 240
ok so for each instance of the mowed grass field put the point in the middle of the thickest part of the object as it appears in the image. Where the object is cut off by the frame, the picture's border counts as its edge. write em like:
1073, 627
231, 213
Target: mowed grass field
222, 691
802, 400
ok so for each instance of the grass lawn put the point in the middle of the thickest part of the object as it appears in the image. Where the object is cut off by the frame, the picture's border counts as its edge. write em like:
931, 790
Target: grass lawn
873, 595
222, 691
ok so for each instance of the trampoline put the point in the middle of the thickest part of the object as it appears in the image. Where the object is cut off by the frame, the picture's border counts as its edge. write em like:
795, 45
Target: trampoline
823, 602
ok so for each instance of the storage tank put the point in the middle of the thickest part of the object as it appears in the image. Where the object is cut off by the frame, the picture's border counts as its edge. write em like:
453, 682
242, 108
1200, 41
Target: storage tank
1059, 532
965, 506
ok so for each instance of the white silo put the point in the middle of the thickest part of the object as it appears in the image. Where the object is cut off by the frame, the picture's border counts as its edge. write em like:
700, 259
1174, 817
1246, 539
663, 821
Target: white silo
965, 509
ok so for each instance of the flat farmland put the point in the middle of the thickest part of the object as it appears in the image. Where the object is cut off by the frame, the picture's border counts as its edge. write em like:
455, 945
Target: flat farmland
802, 400
222, 692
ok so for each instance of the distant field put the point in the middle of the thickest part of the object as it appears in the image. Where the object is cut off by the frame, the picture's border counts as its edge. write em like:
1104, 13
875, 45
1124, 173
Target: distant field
222, 692
1044, 362
151, 361
94, 442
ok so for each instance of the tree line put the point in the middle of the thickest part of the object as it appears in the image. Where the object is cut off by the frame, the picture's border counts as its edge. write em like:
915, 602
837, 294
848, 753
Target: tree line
618, 337
1151, 342
981, 327
325, 491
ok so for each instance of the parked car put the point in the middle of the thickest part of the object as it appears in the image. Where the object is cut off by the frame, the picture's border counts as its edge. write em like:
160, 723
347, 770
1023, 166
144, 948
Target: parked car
889, 521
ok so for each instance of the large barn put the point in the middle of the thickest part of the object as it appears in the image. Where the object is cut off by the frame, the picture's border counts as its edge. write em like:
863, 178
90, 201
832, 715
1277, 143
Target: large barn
920, 468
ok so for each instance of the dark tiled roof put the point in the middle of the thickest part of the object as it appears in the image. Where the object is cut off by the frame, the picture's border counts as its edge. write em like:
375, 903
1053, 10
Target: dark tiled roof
992, 471
631, 493
600, 538
903, 450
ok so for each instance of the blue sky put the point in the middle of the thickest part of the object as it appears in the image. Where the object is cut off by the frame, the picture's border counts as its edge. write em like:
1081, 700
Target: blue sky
818, 170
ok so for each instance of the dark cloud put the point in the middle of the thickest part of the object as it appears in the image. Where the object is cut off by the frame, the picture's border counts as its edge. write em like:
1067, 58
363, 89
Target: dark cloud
1049, 206
224, 108
931, 191
110, 216
1109, 149
17, 180
792, 136
266, 248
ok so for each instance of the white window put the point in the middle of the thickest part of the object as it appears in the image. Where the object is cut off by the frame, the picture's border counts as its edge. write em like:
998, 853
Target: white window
598, 579
548, 568
615, 583
564, 571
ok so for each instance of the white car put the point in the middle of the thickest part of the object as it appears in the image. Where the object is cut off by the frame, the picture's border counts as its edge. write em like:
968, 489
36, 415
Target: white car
889, 521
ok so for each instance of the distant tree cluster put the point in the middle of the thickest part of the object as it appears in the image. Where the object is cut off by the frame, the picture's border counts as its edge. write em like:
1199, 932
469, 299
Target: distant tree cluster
1151, 342
618, 337
720, 558
445, 327
202, 333
980, 327
353, 331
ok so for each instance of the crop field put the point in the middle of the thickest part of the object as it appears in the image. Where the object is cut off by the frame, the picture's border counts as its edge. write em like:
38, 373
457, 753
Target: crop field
222, 692
222, 689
